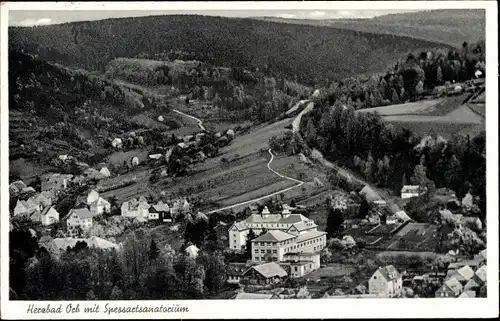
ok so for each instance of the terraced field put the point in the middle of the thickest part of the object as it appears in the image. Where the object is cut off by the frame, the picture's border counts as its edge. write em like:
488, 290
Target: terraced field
446, 117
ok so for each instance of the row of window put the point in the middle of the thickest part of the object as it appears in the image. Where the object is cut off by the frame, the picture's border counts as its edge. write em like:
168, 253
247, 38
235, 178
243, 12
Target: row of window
263, 259
275, 225
264, 251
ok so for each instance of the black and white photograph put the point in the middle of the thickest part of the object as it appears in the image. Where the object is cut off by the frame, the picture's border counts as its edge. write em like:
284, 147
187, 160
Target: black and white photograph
162, 153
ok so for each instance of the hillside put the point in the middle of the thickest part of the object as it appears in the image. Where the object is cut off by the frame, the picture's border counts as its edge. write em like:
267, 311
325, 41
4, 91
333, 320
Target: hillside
451, 27
305, 53
56, 110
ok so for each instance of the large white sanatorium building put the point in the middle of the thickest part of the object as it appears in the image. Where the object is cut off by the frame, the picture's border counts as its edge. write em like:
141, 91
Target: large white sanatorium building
286, 233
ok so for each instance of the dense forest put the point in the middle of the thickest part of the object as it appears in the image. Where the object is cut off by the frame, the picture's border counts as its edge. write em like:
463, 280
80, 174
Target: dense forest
139, 269
450, 27
391, 157
308, 54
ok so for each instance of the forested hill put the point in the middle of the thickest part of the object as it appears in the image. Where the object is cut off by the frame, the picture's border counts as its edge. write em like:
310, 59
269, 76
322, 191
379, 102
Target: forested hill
49, 103
310, 53
451, 27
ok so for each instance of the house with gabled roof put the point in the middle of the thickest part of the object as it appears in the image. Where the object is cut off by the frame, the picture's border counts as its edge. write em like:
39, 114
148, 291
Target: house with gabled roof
386, 282
79, 217
472, 285
268, 221
49, 216
234, 271
481, 274
136, 208
16, 187
255, 296
26, 208
160, 211
409, 191
466, 272
267, 273
450, 288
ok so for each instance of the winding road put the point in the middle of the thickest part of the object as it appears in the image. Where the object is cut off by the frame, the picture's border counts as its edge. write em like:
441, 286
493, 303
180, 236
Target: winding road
200, 123
299, 183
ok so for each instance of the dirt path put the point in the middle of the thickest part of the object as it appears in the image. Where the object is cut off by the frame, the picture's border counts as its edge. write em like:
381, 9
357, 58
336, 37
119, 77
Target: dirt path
318, 156
299, 183
200, 123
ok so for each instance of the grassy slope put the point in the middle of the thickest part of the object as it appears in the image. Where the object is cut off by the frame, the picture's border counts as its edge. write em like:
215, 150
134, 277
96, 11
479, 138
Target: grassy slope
451, 27
306, 51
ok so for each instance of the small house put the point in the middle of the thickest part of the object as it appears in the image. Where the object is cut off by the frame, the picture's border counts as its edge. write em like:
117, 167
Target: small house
255, 296
481, 274
49, 216
386, 281
117, 143
161, 119
409, 191
80, 217
267, 273
136, 208
160, 211
26, 208
451, 288
234, 272
192, 251
135, 161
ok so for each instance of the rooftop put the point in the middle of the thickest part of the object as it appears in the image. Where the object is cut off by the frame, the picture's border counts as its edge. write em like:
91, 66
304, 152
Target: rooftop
309, 235
253, 296
81, 212
269, 270
389, 272
274, 236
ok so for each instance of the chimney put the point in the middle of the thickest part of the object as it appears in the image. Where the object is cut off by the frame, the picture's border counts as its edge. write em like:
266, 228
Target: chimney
265, 212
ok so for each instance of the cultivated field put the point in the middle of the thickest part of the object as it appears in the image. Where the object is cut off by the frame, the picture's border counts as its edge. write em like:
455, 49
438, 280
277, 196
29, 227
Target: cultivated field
403, 109
446, 117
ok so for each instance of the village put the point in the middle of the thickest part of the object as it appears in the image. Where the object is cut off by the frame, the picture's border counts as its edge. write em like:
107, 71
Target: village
271, 255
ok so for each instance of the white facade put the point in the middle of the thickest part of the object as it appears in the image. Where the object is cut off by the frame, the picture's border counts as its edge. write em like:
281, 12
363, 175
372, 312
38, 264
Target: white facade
135, 208
258, 222
386, 284
49, 217
409, 191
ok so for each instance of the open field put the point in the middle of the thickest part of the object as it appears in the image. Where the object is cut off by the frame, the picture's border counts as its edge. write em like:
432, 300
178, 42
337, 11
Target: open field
332, 270
446, 116
118, 157
403, 109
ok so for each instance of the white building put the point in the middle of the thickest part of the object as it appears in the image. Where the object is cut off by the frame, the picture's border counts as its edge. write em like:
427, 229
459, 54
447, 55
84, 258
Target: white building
409, 191
97, 204
117, 143
136, 208
105, 172
284, 222
386, 281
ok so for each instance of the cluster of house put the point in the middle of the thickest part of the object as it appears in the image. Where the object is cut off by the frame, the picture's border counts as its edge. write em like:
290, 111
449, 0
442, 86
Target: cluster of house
38, 207
289, 245
130, 140
140, 208
464, 278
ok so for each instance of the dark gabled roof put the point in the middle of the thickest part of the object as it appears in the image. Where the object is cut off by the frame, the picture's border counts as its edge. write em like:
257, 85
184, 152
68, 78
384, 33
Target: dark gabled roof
389, 272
